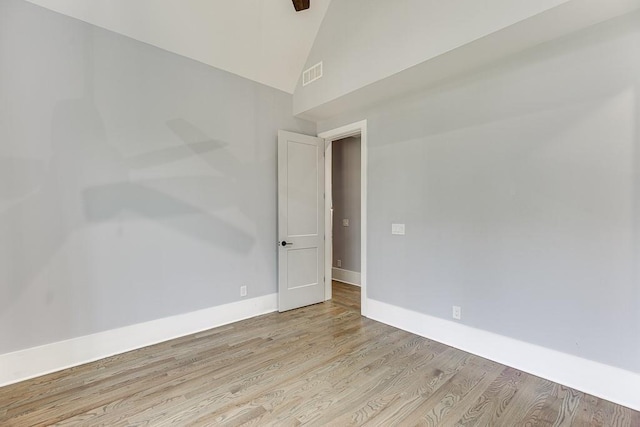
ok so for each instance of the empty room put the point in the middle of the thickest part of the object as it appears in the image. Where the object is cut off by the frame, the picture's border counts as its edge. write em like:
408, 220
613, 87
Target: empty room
320, 212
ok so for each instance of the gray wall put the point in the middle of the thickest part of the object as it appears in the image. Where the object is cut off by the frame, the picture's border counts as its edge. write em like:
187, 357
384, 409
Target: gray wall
134, 184
363, 41
520, 188
346, 202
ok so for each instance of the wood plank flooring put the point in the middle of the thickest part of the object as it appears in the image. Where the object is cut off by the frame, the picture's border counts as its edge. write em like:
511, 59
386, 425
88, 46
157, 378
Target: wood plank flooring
346, 295
322, 365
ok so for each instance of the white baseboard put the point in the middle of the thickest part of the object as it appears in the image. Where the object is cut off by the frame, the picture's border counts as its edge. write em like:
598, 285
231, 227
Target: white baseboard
604, 381
37, 361
345, 276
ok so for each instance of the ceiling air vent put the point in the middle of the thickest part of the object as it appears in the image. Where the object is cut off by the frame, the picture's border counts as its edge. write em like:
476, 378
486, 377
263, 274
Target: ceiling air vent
312, 74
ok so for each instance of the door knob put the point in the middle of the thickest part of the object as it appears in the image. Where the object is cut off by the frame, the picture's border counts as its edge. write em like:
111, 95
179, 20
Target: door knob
285, 243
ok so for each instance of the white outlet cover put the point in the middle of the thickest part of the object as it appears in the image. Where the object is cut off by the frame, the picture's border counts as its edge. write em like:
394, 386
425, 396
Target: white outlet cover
345, 222
457, 312
397, 229
243, 291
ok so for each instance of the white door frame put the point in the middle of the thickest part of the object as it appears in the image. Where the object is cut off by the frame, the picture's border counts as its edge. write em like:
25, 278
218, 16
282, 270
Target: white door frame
358, 128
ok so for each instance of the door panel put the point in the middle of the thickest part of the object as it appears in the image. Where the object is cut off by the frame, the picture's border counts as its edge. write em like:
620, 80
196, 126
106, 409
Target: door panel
300, 220
302, 187
302, 267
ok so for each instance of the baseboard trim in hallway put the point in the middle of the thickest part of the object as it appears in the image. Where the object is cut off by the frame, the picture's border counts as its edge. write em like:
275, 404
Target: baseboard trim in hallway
36, 361
346, 276
604, 381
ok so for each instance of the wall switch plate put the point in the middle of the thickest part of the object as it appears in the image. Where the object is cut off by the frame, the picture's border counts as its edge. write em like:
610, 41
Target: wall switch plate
345, 222
457, 312
243, 291
397, 229
339, 262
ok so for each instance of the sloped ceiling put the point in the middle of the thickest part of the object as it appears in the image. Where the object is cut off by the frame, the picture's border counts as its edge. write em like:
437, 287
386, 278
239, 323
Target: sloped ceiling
262, 40
374, 50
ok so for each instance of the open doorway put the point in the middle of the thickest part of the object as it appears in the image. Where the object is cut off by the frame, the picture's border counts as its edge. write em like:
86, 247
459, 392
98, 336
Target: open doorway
345, 219
345, 212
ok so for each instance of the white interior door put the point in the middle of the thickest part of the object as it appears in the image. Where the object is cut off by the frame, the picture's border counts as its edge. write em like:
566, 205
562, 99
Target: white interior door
300, 220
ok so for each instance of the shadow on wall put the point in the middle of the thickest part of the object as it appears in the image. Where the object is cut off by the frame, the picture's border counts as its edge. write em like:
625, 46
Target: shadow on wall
39, 220
34, 227
195, 143
107, 202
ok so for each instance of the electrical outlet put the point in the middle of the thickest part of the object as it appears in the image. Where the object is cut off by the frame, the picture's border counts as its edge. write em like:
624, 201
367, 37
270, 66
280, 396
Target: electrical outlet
397, 229
345, 222
243, 291
339, 263
457, 312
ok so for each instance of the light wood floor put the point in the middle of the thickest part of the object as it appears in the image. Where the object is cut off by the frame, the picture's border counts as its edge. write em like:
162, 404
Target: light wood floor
346, 295
319, 365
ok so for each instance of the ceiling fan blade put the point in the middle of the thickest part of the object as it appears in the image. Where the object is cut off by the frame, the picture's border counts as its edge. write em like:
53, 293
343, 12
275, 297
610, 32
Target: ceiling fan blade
301, 4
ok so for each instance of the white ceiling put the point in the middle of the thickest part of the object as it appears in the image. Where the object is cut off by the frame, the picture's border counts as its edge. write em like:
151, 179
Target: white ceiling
262, 40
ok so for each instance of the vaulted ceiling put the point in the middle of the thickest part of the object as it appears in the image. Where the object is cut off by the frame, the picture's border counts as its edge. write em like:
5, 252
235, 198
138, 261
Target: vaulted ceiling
372, 50
262, 40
